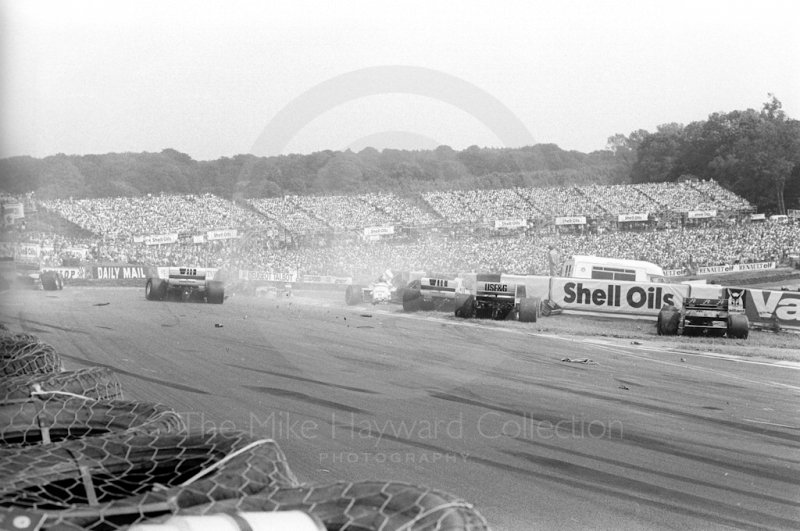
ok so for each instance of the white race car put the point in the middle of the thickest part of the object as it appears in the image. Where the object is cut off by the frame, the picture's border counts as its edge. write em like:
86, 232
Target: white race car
379, 292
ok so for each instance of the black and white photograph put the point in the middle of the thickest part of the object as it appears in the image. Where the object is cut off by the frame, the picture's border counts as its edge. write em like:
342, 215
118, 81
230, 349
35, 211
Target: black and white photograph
399, 266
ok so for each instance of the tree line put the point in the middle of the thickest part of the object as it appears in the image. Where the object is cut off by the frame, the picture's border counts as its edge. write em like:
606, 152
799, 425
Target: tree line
324, 172
756, 154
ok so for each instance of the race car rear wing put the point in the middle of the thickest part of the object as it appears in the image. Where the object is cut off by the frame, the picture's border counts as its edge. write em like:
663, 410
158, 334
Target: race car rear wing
498, 290
440, 287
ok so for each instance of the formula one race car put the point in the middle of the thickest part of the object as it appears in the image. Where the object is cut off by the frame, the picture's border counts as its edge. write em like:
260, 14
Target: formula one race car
375, 293
380, 291
712, 317
37, 279
185, 284
495, 300
429, 294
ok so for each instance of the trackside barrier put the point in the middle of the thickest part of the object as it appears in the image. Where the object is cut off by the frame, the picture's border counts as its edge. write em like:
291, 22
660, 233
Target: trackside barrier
770, 308
623, 298
66, 272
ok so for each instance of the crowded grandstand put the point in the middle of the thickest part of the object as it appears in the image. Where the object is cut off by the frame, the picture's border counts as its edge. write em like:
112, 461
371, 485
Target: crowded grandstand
679, 226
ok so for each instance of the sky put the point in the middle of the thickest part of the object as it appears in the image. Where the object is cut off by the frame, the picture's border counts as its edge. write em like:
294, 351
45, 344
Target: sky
214, 79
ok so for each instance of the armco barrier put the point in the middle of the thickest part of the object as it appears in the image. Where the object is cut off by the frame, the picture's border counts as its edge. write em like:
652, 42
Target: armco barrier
623, 298
770, 308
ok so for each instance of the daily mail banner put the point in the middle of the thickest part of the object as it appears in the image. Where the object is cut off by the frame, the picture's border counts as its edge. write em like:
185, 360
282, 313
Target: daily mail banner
770, 307
161, 239
199, 239
67, 272
378, 231
702, 214
325, 279
571, 220
227, 234
510, 223
138, 239
633, 217
756, 217
632, 298
119, 272
268, 276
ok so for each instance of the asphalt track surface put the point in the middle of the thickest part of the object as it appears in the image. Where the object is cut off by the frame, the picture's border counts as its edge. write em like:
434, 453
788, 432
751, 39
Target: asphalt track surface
639, 439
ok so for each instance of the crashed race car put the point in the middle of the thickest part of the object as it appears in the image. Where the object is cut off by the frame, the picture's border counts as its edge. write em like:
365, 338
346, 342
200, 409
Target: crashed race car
40, 279
382, 291
430, 294
185, 284
717, 317
498, 301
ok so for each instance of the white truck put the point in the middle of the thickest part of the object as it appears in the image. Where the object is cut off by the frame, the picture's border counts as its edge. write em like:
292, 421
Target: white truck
599, 268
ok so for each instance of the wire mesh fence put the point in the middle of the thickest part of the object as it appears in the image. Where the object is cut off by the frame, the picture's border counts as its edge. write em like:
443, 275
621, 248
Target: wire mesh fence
98, 383
74, 456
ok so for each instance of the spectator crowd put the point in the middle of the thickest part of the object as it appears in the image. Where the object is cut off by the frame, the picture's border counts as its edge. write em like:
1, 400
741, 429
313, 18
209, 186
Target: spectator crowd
269, 228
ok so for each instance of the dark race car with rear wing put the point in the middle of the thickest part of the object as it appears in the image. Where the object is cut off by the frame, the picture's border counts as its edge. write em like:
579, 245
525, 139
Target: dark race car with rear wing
493, 299
185, 284
429, 294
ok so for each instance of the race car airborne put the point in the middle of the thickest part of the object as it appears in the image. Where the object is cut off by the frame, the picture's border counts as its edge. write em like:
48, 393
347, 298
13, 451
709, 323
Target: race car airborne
41, 279
185, 284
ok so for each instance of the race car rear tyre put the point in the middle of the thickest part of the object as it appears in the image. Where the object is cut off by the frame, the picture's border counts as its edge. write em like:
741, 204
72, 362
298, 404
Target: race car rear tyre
667, 322
412, 300
155, 289
738, 326
49, 282
464, 305
529, 310
215, 292
353, 295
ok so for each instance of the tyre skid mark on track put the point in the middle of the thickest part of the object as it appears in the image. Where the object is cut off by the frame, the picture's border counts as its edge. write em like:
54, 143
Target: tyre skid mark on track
302, 397
302, 379
666, 475
660, 409
23, 320
601, 489
176, 386
633, 439
670, 496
